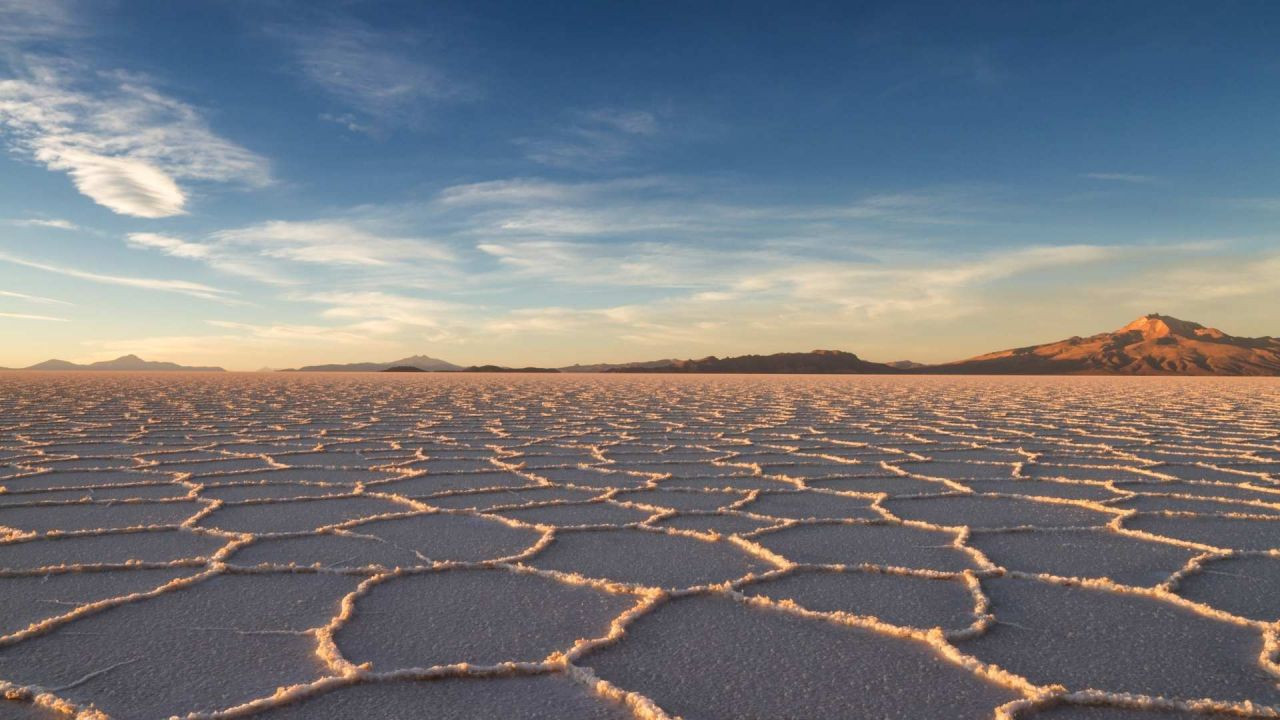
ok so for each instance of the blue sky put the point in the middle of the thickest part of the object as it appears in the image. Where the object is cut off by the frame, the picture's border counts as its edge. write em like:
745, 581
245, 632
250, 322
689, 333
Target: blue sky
272, 183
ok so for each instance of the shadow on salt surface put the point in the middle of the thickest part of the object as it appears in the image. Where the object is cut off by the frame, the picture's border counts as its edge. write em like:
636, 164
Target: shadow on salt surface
1246, 586
891, 484
81, 479
501, 498
26, 600
801, 504
649, 558
569, 515
759, 663
188, 649
880, 544
592, 477
166, 491
1229, 533
1133, 644
905, 600
442, 536
1091, 552
1078, 712
681, 500
958, 470
717, 523
538, 697
204, 468
328, 551
1080, 472
90, 516
994, 512
1043, 488
1153, 503
473, 616
270, 491
1237, 492
153, 546
84, 464
426, 485
296, 515
335, 476
725, 482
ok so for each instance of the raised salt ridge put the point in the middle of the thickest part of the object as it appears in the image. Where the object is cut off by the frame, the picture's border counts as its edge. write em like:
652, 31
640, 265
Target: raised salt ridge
642, 547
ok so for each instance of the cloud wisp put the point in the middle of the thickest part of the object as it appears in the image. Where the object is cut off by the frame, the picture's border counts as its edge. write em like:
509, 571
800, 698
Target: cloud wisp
593, 140
26, 316
33, 298
380, 77
182, 287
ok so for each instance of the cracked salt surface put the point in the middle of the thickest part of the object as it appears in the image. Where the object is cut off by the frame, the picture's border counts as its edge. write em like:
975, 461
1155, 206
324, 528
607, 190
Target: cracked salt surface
649, 547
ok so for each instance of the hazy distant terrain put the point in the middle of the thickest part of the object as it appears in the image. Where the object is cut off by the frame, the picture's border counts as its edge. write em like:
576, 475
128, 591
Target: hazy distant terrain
604, 546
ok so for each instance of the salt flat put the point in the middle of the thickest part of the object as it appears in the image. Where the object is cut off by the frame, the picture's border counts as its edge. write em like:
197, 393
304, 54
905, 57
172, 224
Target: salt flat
367, 546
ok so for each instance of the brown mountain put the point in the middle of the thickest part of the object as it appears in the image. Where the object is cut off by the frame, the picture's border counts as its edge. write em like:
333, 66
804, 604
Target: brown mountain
1151, 345
817, 362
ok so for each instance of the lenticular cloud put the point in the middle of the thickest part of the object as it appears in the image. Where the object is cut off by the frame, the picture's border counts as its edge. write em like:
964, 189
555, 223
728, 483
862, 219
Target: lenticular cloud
124, 144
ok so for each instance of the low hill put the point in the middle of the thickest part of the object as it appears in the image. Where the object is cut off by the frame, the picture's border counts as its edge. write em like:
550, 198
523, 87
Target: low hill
817, 362
1151, 345
608, 367
421, 362
500, 369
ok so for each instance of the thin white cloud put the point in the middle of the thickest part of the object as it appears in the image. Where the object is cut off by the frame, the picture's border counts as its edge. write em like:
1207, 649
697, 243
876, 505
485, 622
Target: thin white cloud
24, 316
594, 139
124, 144
32, 298
397, 310
331, 242
379, 75
52, 223
1131, 178
1265, 204
215, 255
169, 245
182, 287
27, 20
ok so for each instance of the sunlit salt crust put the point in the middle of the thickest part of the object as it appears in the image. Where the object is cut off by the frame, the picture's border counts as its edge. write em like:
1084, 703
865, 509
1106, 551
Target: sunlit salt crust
284, 546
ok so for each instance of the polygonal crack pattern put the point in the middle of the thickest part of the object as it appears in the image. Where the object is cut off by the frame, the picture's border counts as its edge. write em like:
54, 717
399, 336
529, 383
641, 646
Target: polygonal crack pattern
322, 547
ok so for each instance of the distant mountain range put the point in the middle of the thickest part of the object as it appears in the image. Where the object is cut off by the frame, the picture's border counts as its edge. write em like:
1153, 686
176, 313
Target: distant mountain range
607, 367
818, 362
124, 362
472, 369
420, 362
1151, 345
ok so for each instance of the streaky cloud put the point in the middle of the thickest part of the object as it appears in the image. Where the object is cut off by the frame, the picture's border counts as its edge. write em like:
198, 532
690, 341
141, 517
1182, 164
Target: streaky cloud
25, 316
182, 287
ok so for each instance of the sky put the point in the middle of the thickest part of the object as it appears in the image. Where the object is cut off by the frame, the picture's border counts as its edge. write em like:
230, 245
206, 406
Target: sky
271, 184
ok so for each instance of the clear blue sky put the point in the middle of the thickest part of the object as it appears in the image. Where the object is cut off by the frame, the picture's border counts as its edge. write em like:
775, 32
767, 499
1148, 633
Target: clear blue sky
275, 183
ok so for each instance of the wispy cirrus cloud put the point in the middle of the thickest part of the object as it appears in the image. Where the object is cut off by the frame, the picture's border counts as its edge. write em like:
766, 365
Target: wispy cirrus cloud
26, 20
25, 316
52, 223
124, 144
1131, 178
279, 252
380, 76
331, 242
593, 139
182, 287
33, 298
